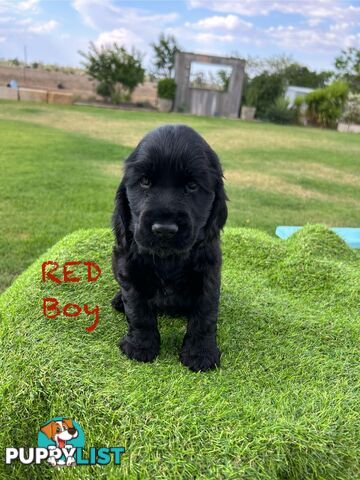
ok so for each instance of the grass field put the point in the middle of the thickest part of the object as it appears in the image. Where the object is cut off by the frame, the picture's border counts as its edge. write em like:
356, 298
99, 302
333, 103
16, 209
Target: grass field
284, 404
60, 167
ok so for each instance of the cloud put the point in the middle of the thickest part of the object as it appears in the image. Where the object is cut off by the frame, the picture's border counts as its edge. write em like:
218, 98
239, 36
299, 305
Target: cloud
229, 22
24, 21
341, 26
2, 39
121, 36
298, 38
212, 37
86, 8
28, 5
128, 26
325, 9
329, 26
4, 20
245, 7
104, 15
45, 27
314, 22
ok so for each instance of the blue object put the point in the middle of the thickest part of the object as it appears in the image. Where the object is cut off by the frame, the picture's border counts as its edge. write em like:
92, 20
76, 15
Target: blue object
13, 84
350, 235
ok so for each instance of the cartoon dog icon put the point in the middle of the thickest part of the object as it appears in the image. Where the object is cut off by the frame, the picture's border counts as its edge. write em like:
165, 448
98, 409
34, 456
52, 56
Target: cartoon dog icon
60, 432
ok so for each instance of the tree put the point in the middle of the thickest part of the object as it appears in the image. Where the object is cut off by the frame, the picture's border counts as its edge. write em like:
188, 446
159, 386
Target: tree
255, 66
164, 53
224, 78
198, 80
347, 65
278, 63
117, 71
301, 76
284, 65
262, 91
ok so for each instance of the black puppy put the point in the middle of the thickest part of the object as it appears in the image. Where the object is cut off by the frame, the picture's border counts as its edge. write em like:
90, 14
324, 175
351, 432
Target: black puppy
170, 207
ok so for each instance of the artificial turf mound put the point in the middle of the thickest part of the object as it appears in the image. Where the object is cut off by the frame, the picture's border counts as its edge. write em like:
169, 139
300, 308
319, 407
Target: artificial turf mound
283, 405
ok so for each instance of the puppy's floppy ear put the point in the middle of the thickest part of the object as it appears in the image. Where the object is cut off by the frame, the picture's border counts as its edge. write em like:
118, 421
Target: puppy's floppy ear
122, 216
68, 422
48, 429
219, 212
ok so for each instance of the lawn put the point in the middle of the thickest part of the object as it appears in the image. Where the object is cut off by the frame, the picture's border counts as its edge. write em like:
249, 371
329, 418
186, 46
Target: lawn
60, 167
284, 404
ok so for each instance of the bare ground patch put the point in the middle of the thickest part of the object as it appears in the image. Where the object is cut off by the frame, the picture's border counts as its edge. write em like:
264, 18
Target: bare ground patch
129, 131
113, 169
272, 183
259, 136
119, 131
262, 181
17, 235
319, 171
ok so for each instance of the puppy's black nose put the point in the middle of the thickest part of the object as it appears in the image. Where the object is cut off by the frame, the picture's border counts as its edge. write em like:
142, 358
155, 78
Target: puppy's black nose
164, 230
72, 431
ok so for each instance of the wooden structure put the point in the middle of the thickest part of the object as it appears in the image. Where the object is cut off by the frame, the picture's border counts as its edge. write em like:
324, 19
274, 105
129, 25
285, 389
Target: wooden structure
205, 101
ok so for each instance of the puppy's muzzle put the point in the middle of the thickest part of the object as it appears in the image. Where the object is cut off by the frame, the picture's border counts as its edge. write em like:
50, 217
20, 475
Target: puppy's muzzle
164, 231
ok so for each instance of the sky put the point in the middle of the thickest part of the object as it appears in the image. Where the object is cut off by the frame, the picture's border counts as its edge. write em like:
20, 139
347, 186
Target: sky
311, 31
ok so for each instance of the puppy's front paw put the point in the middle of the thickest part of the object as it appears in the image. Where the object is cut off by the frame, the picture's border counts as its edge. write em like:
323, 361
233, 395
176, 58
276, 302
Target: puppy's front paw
200, 358
140, 350
52, 461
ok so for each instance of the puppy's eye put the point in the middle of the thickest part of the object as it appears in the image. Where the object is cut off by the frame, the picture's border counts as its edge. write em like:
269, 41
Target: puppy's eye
145, 182
58, 429
191, 186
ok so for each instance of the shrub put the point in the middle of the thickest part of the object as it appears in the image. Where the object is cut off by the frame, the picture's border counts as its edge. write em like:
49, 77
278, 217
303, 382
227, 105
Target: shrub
280, 112
352, 110
299, 101
114, 68
166, 88
103, 89
325, 105
262, 90
119, 95
299, 109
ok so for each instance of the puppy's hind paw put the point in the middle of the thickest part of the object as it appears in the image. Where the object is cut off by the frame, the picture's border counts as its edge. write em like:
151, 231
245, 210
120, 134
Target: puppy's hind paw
145, 352
117, 303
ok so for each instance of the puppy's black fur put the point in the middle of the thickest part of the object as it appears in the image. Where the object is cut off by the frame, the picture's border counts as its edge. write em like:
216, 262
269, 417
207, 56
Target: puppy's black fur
169, 209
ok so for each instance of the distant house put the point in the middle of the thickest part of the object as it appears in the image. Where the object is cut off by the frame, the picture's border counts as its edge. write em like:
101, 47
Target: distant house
292, 92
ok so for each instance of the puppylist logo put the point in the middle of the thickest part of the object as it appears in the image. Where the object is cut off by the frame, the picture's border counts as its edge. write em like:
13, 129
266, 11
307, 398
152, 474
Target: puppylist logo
61, 442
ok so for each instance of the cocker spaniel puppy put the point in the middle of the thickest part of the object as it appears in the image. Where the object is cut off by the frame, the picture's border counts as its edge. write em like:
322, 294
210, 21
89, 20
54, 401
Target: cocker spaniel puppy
169, 210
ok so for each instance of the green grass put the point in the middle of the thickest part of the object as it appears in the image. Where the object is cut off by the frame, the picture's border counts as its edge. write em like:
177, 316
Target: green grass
60, 166
52, 183
283, 405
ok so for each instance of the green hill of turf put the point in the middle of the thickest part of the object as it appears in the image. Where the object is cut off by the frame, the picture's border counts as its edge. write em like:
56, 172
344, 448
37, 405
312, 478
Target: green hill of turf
283, 405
